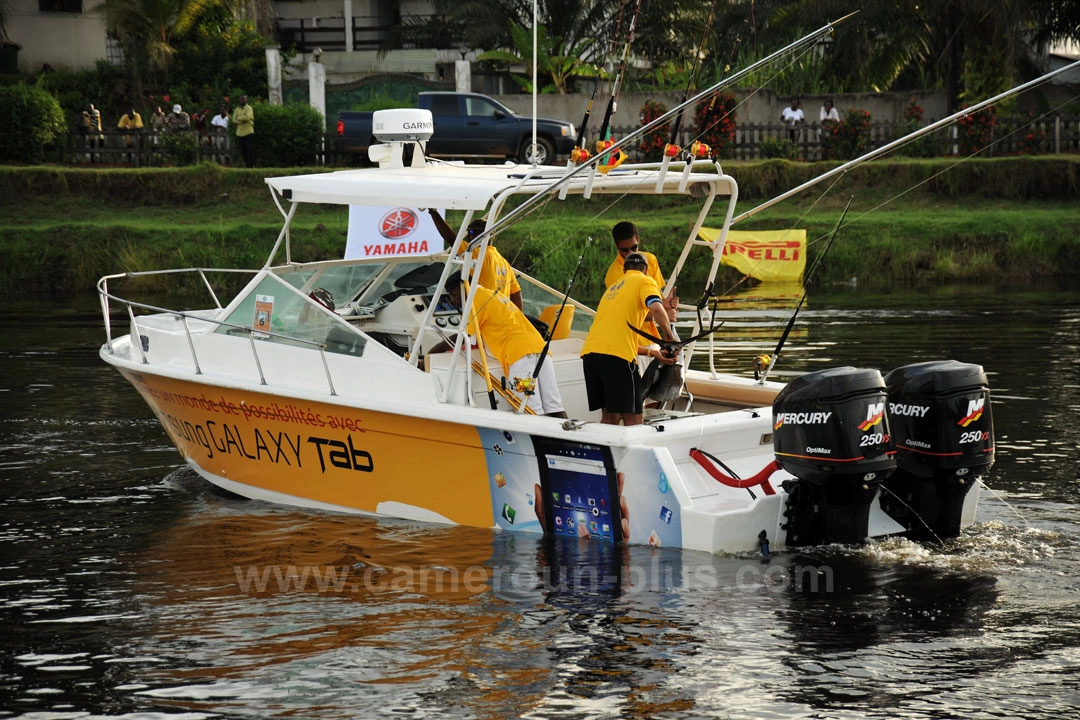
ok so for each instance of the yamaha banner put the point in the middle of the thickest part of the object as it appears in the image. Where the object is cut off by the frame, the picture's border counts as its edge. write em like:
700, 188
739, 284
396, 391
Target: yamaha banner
382, 232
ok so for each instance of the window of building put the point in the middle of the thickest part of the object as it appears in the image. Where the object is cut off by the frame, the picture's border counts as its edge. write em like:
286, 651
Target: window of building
71, 7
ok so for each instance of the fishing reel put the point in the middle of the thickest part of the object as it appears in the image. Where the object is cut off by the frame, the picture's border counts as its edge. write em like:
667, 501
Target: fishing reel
579, 155
525, 385
700, 151
761, 364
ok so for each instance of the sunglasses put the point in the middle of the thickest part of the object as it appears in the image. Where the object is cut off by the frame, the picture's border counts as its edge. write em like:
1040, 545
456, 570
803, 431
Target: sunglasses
628, 250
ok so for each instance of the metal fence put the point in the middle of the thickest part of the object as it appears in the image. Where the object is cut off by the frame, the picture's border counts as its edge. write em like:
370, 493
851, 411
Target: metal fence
1011, 135
148, 148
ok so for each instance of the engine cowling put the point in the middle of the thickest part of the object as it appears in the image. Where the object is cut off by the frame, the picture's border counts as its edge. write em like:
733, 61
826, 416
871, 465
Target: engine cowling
831, 431
943, 430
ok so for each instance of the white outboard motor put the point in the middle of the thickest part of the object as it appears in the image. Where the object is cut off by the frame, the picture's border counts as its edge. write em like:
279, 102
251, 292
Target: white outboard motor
396, 128
943, 431
830, 431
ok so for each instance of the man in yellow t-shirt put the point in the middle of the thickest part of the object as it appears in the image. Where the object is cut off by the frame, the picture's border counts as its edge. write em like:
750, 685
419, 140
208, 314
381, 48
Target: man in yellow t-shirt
612, 377
625, 236
131, 120
497, 273
511, 339
243, 118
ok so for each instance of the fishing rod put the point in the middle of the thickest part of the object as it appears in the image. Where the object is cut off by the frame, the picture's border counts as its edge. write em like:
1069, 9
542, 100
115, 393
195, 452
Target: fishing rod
763, 364
528, 203
906, 139
558, 316
580, 153
690, 80
603, 138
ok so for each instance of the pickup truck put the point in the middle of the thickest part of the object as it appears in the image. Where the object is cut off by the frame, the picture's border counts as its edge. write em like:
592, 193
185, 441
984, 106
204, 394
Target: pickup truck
470, 126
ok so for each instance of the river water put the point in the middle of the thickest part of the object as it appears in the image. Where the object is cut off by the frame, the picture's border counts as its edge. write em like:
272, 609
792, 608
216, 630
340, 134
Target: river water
131, 589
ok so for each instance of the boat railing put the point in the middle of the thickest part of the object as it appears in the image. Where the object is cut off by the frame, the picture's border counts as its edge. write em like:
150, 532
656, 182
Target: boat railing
130, 306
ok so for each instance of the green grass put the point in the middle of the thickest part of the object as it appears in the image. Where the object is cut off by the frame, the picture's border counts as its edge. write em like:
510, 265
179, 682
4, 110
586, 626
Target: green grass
910, 222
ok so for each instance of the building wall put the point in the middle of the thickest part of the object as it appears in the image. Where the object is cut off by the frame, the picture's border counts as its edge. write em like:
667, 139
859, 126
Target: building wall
62, 41
761, 107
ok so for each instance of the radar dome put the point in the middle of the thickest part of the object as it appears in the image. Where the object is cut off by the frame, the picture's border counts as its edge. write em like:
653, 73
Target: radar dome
402, 125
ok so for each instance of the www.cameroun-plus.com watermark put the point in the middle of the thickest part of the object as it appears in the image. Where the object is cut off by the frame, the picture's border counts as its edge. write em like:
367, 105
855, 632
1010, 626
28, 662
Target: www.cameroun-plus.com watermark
751, 577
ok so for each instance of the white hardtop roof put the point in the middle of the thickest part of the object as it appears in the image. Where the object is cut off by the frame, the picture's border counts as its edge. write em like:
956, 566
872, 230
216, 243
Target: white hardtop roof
452, 186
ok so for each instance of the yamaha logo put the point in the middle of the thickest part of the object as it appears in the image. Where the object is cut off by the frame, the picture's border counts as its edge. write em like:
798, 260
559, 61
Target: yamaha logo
398, 223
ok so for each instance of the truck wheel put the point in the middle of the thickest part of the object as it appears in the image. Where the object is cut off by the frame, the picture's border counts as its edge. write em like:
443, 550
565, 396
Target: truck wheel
545, 151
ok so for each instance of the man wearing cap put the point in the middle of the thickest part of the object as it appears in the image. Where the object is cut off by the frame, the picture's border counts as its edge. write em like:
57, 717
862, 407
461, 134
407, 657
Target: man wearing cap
510, 338
612, 377
626, 238
497, 273
177, 120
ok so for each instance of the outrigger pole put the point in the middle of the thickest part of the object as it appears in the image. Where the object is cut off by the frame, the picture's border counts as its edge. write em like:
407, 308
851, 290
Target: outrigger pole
906, 139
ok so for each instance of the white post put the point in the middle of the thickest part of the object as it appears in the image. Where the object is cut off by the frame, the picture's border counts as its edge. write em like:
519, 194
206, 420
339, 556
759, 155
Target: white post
348, 25
317, 87
463, 76
273, 74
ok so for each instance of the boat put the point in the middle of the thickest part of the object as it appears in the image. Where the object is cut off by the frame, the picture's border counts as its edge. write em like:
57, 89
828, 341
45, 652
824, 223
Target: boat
280, 396
276, 396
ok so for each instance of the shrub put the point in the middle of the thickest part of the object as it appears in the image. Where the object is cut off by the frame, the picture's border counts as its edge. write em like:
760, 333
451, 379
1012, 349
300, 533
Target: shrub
287, 135
652, 143
975, 131
1033, 139
716, 123
913, 122
182, 147
41, 121
778, 148
849, 138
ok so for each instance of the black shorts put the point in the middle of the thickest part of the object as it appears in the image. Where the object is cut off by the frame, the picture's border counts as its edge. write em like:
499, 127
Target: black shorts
612, 384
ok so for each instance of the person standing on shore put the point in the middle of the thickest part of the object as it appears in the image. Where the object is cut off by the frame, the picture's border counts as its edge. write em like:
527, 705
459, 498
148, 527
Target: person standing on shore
243, 118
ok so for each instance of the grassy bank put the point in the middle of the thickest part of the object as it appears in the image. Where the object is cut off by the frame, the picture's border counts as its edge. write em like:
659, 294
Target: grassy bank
911, 221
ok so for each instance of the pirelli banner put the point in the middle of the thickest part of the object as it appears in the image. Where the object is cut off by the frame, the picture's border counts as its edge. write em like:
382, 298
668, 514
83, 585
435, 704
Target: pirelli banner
766, 255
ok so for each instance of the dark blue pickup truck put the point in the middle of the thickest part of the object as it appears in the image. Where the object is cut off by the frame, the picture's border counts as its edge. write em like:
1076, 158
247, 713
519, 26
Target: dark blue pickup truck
470, 126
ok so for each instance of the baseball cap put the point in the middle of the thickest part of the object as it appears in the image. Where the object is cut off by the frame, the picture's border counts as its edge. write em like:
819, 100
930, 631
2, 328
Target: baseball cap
635, 259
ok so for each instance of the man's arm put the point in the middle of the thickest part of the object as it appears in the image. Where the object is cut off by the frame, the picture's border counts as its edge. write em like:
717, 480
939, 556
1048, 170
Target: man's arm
658, 313
447, 232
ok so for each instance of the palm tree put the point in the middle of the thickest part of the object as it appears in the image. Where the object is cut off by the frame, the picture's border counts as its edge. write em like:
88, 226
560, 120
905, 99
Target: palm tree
972, 48
148, 28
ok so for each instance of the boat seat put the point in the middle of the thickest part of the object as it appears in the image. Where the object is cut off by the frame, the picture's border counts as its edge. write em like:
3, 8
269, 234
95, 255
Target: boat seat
562, 331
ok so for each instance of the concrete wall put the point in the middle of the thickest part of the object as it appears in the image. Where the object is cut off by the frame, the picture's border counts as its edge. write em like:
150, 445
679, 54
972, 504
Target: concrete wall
64, 42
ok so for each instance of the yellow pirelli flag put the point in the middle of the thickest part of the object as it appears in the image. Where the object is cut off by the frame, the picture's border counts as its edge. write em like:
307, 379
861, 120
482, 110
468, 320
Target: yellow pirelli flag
767, 255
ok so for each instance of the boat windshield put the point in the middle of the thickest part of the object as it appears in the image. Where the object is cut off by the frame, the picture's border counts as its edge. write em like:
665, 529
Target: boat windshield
274, 312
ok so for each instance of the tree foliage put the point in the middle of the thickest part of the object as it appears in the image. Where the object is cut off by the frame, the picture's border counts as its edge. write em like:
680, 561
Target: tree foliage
555, 63
149, 29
